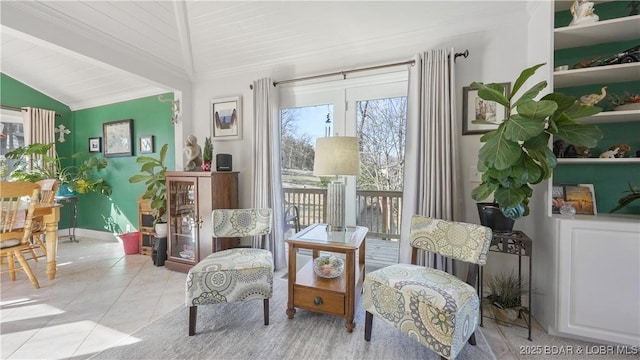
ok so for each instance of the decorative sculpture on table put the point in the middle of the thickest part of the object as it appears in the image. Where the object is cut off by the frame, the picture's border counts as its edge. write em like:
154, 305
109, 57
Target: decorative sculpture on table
193, 154
582, 12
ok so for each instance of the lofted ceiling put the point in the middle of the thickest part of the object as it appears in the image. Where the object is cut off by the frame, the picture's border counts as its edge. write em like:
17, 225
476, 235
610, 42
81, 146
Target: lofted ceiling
90, 53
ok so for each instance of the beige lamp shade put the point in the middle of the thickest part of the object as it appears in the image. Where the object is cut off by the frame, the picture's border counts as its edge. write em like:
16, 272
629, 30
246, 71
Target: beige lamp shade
337, 155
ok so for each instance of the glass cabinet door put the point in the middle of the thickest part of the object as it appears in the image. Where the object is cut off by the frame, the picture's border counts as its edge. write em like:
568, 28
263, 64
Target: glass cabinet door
182, 219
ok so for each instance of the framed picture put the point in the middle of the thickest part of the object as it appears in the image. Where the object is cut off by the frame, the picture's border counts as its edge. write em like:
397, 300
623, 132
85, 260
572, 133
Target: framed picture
118, 138
226, 118
475, 108
146, 144
95, 144
582, 197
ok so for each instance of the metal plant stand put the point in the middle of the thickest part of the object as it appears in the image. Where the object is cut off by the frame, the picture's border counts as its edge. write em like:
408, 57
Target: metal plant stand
73, 213
514, 243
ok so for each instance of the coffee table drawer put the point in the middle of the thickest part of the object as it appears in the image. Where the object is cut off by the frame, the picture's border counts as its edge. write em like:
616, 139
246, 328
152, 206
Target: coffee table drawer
318, 300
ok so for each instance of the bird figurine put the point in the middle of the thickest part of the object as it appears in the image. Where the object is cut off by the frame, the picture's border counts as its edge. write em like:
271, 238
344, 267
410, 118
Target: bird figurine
592, 99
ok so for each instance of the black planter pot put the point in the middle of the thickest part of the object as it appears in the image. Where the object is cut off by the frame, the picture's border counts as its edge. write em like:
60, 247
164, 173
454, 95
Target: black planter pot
491, 216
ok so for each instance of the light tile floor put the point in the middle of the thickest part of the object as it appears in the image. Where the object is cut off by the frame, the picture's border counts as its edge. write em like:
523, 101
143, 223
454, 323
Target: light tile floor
99, 297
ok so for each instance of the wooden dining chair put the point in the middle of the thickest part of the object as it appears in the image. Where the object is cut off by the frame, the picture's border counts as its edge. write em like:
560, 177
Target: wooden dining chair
17, 205
48, 189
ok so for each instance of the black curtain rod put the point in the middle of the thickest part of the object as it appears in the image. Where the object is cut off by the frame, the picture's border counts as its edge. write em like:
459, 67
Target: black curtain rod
345, 72
15, 108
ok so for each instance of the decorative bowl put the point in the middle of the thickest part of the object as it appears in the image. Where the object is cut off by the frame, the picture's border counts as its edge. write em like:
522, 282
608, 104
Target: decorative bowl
328, 267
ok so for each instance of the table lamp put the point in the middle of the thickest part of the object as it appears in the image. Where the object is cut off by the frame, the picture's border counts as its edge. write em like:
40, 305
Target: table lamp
337, 155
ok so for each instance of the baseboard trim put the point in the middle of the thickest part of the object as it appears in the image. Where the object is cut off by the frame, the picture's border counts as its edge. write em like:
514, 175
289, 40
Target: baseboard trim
94, 234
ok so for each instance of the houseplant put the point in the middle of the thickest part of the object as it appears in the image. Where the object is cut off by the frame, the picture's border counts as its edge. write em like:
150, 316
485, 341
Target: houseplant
505, 295
79, 178
153, 174
633, 195
517, 155
207, 154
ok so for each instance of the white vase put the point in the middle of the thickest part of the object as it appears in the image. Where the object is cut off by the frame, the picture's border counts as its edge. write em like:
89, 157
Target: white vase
630, 106
161, 230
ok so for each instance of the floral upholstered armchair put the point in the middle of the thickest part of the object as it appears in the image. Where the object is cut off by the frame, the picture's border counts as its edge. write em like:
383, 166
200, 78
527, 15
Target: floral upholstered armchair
434, 307
235, 274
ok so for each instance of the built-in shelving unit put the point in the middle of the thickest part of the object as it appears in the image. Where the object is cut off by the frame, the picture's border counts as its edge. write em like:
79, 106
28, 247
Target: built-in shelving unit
613, 117
599, 161
586, 38
581, 284
620, 29
595, 75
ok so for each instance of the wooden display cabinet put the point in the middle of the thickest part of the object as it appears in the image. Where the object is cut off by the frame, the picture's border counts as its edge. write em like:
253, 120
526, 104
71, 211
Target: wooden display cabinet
145, 226
191, 197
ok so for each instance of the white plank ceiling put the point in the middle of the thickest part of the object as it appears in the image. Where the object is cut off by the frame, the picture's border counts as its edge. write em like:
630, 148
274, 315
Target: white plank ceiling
89, 53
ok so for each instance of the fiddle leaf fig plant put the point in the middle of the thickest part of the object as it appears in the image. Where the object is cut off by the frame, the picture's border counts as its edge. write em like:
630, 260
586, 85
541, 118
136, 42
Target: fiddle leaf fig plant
517, 154
153, 174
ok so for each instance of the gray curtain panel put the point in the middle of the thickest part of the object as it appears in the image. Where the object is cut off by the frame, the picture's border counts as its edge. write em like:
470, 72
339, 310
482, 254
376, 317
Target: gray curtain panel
267, 185
431, 184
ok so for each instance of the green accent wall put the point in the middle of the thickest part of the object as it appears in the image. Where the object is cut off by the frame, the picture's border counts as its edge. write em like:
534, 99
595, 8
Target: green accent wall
150, 117
15, 93
610, 180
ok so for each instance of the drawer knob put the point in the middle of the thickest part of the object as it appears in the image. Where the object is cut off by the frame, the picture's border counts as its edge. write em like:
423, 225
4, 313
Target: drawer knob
317, 300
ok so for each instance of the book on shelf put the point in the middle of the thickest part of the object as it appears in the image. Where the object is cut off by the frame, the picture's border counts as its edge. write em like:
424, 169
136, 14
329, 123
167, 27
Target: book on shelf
581, 196
557, 198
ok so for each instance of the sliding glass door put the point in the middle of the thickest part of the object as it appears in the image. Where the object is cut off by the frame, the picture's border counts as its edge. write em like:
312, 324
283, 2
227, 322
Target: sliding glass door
372, 108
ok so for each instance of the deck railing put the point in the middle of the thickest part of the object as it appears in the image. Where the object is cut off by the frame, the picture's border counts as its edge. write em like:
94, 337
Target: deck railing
380, 211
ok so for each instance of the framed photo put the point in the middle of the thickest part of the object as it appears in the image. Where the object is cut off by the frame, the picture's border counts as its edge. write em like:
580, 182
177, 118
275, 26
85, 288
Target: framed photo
475, 108
582, 197
146, 144
118, 138
226, 118
95, 144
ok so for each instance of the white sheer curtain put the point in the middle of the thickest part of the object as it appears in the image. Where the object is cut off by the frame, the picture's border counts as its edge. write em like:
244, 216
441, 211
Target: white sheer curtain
431, 184
39, 127
266, 148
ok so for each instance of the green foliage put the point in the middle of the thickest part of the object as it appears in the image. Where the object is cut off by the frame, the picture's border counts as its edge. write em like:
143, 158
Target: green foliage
325, 181
634, 194
153, 174
207, 152
506, 290
517, 155
34, 164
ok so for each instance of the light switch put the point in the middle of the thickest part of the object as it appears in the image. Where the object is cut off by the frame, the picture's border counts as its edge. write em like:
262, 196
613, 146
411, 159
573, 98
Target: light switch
475, 175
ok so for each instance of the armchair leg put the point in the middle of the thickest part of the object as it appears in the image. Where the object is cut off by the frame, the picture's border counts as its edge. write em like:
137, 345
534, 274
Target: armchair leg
472, 339
368, 322
266, 311
193, 315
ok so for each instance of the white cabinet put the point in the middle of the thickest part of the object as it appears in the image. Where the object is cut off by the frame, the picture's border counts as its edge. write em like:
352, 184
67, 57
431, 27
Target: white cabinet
599, 279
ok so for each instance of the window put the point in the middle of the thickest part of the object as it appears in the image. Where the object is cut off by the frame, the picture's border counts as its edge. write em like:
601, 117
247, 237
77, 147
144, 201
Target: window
11, 137
372, 108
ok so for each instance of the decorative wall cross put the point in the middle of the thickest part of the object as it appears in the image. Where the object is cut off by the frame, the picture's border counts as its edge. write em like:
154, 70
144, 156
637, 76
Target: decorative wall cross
62, 130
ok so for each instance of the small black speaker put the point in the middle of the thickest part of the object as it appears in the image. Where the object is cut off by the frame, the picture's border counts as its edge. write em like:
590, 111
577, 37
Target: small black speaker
159, 253
223, 162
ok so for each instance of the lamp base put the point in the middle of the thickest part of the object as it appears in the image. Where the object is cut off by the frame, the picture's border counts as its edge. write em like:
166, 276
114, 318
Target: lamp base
335, 206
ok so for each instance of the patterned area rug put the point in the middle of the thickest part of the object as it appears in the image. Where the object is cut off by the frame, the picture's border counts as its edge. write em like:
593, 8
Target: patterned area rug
236, 331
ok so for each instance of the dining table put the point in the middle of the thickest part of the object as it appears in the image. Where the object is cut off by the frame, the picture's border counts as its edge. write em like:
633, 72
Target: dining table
50, 216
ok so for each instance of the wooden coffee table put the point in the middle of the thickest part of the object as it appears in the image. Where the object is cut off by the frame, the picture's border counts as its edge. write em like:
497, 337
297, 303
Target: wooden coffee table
336, 296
